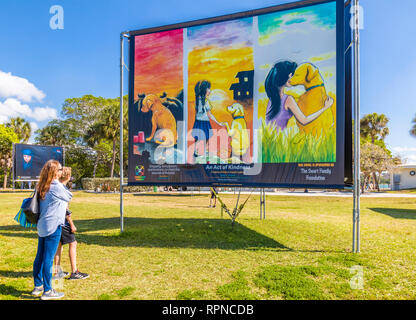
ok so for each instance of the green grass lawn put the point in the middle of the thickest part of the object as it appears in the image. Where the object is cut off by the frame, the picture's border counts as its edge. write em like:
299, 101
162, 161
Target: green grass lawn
175, 247
408, 191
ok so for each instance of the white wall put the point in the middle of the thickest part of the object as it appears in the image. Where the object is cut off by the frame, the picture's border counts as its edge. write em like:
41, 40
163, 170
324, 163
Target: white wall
406, 180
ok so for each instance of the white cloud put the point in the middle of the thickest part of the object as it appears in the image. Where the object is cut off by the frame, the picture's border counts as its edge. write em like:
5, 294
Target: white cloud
408, 154
16, 87
404, 149
14, 108
411, 159
41, 114
34, 126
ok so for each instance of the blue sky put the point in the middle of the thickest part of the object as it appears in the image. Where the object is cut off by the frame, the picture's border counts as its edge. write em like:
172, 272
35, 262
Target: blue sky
83, 57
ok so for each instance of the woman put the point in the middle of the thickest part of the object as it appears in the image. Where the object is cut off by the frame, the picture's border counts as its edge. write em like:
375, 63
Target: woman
53, 201
202, 129
282, 107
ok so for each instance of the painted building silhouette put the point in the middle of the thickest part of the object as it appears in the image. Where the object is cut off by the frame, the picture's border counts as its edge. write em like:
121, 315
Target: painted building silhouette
243, 89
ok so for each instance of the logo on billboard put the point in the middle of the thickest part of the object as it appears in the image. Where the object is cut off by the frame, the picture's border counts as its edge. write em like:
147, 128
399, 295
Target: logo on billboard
57, 154
139, 173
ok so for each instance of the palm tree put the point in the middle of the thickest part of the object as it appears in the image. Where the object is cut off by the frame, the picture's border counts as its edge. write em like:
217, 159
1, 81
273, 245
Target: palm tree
52, 134
21, 127
109, 127
374, 126
7, 138
94, 138
413, 130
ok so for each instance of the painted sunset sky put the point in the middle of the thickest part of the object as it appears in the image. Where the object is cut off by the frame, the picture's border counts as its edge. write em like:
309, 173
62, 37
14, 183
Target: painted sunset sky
159, 63
217, 52
300, 35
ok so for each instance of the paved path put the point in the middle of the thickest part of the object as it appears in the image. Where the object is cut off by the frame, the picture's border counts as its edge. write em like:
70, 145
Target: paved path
311, 193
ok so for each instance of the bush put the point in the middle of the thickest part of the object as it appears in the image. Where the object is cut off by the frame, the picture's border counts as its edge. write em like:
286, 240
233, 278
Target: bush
110, 184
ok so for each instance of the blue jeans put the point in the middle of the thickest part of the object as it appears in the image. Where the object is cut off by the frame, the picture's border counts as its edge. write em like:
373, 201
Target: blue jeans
42, 267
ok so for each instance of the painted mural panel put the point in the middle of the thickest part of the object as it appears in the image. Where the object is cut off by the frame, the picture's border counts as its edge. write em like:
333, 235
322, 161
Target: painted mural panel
296, 84
213, 101
220, 92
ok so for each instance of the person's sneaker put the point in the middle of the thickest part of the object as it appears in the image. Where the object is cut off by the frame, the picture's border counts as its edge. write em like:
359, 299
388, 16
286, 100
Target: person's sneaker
78, 275
61, 274
52, 294
37, 291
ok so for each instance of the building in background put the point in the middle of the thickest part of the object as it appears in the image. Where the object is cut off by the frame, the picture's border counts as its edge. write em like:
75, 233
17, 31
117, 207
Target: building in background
403, 177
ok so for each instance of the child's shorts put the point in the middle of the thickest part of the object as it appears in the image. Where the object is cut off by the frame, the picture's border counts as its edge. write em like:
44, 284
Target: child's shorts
67, 235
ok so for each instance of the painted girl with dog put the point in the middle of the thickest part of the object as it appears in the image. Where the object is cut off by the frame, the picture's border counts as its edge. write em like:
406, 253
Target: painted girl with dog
202, 129
282, 107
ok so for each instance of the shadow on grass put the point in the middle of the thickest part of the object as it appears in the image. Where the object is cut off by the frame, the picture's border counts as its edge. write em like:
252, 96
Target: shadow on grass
397, 213
16, 274
165, 233
176, 233
144, 194
12, 291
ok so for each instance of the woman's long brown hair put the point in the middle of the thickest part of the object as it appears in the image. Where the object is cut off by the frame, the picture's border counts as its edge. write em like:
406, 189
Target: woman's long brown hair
48, 173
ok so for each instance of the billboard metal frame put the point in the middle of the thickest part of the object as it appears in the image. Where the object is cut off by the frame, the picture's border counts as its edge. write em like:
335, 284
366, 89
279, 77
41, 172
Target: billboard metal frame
340, 49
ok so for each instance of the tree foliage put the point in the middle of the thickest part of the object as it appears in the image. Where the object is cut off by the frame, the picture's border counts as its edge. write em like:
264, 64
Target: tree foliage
413, 130
374, 127
375, 156
374, 159
7, 138
90, 131
21, 127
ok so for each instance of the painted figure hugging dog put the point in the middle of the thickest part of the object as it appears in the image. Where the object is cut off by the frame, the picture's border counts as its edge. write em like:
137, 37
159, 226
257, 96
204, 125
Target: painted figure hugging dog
311, 111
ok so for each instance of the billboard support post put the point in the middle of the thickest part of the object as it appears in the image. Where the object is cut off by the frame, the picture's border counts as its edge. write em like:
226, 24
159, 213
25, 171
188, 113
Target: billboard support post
122, 36
13, 166
262, 204
356, 210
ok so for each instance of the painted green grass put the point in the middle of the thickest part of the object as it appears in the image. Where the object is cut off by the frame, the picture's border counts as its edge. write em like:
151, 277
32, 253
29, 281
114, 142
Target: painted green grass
294, 146
175, 247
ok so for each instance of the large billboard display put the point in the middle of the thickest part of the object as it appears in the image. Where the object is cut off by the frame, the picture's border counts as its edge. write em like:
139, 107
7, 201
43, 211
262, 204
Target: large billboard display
29, 160
250, 99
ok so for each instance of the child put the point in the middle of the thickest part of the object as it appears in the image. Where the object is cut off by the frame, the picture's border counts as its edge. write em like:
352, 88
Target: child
202, 129
68, 237
213, 196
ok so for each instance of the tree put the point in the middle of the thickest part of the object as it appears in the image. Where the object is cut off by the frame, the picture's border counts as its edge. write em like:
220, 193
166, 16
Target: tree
90, 132
7, 138
55, 133
373, 159
109, 127
374, 126
21, 127
413, 130
82, 113
95, 140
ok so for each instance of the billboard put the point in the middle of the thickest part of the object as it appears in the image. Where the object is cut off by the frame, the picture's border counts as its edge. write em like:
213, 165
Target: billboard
250, 99
29, 159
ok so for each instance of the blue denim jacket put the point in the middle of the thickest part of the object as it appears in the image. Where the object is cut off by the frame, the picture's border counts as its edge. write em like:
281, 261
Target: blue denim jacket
53, 208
